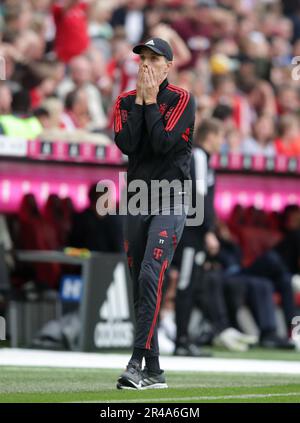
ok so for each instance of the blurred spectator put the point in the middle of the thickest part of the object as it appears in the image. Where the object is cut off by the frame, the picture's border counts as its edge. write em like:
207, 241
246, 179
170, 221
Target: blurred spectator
194, 242
289, 247
290, 6
224, 113
26, 127
195, 238
256, 46
45, 89
99, 75
288, 143
194, 23
30, 46
68, 211
227, 52
81, 78
76, 110
55, 216
182, 55
122, 69
21, 103
281, 51
288, 99
292, 9
271, 266
55, 109
37, 234
18, 16
43, 116
263, 136
214, 289
95, 232
100, 29
260, 96
130, 16
72, 39
6, 264
6, 241
225, 92
258, 289
5, 99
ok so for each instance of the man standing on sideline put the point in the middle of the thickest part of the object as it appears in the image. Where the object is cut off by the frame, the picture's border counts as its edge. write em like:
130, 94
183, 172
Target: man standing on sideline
154, 126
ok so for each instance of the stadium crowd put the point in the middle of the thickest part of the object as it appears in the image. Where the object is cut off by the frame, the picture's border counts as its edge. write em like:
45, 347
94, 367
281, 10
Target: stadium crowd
65, 62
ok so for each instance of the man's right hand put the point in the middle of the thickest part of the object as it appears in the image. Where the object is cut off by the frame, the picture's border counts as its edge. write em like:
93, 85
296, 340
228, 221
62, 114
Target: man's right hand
140, 87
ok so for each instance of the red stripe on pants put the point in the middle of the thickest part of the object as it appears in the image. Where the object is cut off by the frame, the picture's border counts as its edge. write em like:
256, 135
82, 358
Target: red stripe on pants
159, 294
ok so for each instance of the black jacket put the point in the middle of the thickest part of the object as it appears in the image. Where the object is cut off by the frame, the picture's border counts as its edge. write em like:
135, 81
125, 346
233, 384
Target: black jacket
158, 137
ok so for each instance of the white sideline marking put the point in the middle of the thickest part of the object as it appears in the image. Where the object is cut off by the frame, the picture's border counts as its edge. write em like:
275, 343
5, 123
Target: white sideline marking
200, 398
59, 359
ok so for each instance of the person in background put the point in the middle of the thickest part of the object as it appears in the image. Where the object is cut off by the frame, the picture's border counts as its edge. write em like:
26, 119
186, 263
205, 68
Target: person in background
130, 16
258, 290
100, 29
27, 127
261, 143
198, 239
289, 246
288, 100
5, 99
226, 92
122, 68
288, 141
81, 78
180, 48
72, 39
231, 142
76, 110
95, 232
7, 264
55, 108
194, 239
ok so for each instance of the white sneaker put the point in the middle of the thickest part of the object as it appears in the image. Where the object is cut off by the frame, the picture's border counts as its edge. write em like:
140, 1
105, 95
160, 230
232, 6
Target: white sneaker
229, 340
166, 346
243, 337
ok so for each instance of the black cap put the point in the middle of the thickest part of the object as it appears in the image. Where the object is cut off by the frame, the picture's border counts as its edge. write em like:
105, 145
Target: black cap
159, 46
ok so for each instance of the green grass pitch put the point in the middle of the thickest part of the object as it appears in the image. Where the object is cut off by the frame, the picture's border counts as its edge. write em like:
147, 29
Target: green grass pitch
30, 385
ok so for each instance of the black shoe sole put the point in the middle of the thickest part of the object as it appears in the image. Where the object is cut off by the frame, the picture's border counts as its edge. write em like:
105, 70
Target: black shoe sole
124, 383
130, 388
